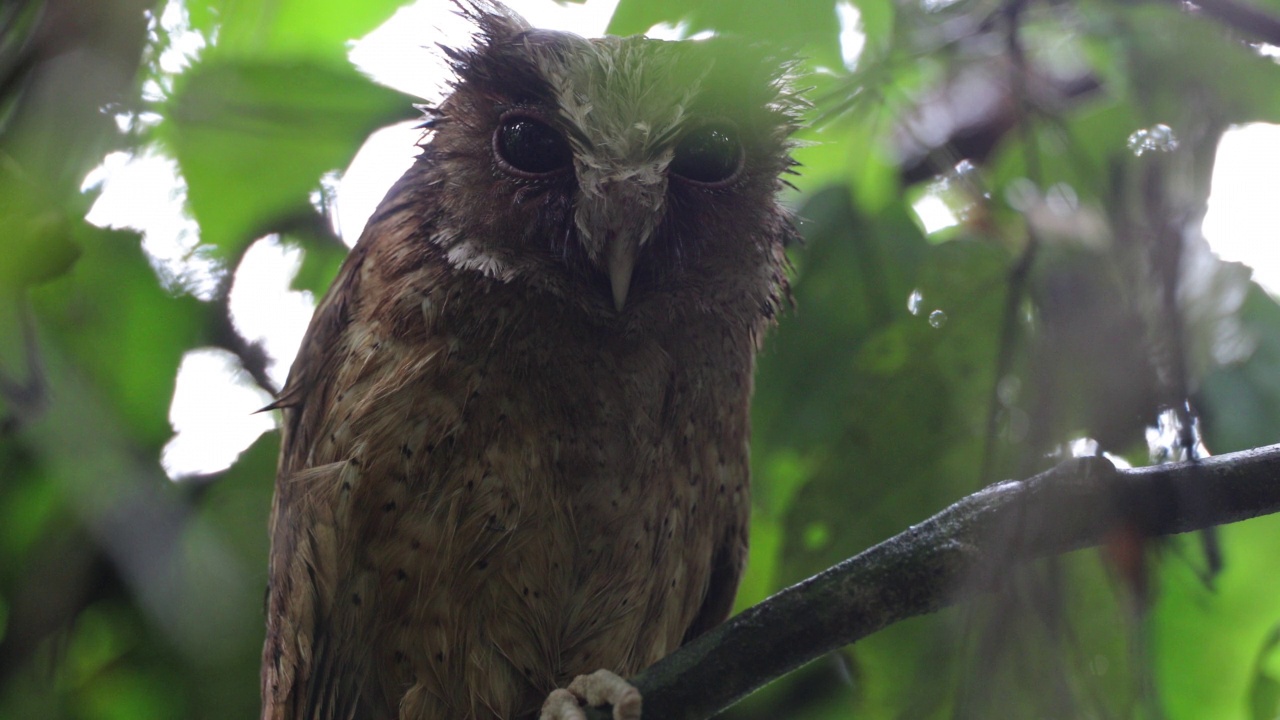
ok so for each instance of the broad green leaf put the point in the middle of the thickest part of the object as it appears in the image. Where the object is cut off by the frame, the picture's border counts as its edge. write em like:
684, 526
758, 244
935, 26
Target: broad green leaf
29, 505
808, 27
1264, 695
850, 151
253, 138
130, 693
321, 259
866, 394
290, 28
234, 510
1180, 67
110, 316
1205, 641
236, 506
876, 17
1242, 400
633, 17
37, 232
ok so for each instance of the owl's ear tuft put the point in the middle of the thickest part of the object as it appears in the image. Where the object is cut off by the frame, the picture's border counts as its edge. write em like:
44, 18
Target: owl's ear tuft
494, 22
431, 116
495, 25
501, 66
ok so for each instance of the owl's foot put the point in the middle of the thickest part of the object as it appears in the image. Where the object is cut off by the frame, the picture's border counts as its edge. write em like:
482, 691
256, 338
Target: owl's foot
599, 688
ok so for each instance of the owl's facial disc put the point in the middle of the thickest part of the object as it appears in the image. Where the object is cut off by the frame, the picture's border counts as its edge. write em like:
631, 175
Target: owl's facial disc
622, 203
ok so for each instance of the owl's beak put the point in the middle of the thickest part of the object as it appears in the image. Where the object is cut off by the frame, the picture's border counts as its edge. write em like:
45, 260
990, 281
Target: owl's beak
621, 261
616, 214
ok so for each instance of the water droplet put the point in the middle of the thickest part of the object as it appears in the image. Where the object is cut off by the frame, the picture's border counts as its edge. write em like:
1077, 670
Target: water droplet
1016, 425
964, 172
1083, 447
937, 318
1007, 390
1162, 135
1165, 440
1138, 142
1022, 194
1099, 665
1157, 138
1062, 199
913, 301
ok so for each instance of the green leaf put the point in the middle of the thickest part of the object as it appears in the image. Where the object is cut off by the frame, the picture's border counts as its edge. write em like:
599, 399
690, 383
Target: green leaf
29, 504
128, 693
253, 138
633, 17
1180, 67
321, 260
1264, 695
1242, 400
808, 27
876, 17
236, 506
127, 335
37, 232
867, 417
1206, 640
292, 28
866, 395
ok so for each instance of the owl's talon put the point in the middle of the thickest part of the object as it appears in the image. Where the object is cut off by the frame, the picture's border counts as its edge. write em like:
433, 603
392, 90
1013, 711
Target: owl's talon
562, 705
599, 688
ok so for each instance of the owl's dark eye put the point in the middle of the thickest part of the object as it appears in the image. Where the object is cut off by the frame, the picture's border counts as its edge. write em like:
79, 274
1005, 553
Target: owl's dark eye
530, 147
710, 155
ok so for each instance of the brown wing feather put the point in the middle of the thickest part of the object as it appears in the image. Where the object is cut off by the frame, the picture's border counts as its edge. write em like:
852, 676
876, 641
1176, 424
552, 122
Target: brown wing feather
300, 677
727, 565
314, 663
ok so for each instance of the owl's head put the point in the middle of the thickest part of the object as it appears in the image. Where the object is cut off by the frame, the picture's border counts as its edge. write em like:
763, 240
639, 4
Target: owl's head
614, 172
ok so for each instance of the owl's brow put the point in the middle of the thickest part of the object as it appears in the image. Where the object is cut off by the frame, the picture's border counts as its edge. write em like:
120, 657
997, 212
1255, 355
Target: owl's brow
604, 85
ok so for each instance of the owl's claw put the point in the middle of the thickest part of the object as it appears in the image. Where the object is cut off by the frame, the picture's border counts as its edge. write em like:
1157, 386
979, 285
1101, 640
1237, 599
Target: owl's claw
599, 688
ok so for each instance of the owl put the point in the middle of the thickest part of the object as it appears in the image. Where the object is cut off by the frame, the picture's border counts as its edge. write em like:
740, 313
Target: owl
515, 439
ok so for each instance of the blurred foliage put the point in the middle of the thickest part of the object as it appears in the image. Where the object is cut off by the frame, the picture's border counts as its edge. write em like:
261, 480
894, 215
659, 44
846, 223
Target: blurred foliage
1071, 296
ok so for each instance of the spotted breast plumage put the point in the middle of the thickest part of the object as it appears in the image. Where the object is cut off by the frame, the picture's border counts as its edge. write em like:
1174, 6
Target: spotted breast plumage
515, 443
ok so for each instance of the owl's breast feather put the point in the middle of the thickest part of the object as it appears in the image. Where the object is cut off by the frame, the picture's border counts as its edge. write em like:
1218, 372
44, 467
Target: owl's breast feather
535, 502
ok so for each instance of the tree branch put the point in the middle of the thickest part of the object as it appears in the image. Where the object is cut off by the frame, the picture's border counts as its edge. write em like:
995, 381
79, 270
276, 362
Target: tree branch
1244, 18
943, 560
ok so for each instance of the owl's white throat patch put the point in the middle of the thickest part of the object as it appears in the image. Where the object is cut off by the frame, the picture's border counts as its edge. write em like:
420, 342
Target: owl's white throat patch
469, 255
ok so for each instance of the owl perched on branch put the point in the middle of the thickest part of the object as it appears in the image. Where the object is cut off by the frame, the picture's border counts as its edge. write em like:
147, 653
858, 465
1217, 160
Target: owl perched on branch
515, 437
